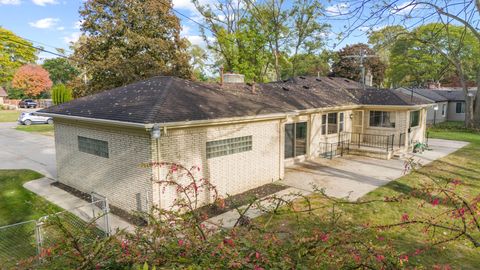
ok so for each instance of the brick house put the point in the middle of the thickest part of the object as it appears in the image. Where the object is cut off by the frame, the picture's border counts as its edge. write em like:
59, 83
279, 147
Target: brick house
241, 135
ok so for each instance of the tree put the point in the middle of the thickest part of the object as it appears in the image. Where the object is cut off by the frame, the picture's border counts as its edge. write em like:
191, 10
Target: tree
128, 40
308, 34
428, 53
263, 39
349, 67
32, 79
14, 52
309, 64
60, 70
61, 94
366, 13
197, 61
239, 45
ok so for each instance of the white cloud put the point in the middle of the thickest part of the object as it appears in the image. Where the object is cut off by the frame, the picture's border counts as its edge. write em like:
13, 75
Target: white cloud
72, 38
405, 8
60, 28
10, 2
371, 28
45, 23
337, 9
78, 24
44, 2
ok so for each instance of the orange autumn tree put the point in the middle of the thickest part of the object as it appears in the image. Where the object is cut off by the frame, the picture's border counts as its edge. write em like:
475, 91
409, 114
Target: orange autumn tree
32, 79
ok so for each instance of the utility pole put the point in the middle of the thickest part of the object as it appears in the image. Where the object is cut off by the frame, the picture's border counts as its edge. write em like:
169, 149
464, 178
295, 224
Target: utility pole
362, 55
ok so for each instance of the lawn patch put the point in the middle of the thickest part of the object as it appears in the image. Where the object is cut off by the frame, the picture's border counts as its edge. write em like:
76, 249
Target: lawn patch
9, 115
17, 203
43, 129
464, 164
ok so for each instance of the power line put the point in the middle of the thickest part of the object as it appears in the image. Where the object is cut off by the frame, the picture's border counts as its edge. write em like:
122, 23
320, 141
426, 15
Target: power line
35, 47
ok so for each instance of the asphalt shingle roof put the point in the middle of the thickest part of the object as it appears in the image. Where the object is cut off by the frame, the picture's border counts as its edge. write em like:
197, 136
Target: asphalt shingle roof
169, 99
452, 95
429, 93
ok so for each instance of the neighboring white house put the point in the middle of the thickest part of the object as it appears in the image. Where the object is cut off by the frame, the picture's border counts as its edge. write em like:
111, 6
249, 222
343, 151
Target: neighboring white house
241, 135
437, 111
456, 103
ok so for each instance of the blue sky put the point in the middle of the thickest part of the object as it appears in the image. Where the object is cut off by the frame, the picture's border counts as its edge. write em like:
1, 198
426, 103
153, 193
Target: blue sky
55, 23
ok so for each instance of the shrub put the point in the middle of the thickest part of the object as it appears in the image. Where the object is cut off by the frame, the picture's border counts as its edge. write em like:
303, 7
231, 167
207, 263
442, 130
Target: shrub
61, 94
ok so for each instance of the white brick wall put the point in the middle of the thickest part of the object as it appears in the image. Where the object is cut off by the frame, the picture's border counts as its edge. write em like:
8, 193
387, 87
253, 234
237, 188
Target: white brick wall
119, 177
231, 174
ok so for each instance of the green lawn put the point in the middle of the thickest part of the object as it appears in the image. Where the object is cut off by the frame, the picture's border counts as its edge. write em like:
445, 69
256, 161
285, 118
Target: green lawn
39, 128
9, 115
18, 204
463, 164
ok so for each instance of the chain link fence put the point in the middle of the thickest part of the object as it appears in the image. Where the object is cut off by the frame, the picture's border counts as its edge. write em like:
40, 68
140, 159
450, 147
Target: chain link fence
27, 239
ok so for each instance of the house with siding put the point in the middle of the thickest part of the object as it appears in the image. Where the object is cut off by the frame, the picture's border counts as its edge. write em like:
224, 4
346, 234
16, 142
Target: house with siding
456, 103
241, 135
438, 111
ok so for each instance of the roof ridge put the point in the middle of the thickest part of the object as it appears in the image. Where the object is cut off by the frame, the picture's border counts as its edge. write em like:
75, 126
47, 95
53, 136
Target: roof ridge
160, 100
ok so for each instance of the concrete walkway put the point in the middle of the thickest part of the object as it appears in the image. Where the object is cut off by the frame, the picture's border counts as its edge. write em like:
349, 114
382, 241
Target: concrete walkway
355, 176
352, 176
43, 187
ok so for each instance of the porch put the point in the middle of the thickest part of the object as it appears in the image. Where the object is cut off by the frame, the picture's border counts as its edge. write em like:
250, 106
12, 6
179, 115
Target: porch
372, 145
354, 175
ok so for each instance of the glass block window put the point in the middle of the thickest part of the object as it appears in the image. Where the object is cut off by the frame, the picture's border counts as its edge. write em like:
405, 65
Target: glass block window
93, 146
229, 146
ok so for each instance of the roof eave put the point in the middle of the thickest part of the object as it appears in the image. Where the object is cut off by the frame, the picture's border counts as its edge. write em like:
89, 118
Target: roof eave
97, 120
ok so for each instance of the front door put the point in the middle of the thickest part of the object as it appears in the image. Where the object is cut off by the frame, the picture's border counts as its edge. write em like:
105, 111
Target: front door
295, 139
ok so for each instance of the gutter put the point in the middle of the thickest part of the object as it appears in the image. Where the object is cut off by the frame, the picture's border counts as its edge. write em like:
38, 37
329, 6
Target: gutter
221, 121
97, 120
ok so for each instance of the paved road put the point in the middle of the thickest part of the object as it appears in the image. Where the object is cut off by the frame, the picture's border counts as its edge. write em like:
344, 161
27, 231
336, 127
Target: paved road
24, 150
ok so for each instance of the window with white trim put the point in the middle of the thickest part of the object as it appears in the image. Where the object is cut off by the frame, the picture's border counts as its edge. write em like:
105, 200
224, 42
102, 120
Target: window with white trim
341, 122
93, 146
324, 124
444, 109
332, 123
414, 118
382, 119
460, 107
229, 146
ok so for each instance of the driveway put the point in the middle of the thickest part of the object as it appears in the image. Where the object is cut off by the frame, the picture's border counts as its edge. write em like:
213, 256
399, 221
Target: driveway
24, 150
355, 176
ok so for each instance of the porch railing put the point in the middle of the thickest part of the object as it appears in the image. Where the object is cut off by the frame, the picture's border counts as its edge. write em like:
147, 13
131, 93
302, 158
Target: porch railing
331, 150
369, 140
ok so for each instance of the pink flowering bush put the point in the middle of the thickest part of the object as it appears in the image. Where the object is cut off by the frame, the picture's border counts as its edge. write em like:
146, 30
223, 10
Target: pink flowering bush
296, 233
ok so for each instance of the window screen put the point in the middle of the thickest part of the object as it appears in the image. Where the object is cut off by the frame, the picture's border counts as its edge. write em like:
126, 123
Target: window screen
229, 146
93, 146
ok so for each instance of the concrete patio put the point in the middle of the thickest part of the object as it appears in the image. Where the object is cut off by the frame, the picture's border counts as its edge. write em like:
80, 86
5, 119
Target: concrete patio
355, 176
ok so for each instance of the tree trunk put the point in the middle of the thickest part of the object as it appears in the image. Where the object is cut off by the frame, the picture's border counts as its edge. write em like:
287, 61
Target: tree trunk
476, 106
